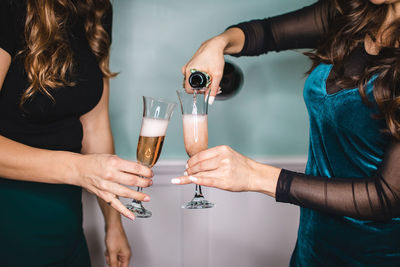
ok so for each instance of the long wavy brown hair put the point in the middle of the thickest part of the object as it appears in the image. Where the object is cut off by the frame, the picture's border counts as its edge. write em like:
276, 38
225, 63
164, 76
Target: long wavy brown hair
47, 54
353, 22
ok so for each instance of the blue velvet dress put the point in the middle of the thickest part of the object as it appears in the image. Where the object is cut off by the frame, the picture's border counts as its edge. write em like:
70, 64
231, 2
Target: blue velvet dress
345, 141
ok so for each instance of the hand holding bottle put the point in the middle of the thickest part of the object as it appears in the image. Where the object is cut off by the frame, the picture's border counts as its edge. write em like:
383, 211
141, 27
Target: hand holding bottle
209, 58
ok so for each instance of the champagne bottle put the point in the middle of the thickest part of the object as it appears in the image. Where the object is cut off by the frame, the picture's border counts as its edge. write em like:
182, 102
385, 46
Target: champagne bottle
231, 82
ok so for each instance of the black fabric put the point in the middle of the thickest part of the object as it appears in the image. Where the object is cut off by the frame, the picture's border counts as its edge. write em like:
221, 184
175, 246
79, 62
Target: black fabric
298, 29
9, 21
372, 198
44, 123
41, 224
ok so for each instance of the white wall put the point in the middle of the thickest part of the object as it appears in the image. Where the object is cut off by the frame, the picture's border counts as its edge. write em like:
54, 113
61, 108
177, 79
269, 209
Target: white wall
243, 230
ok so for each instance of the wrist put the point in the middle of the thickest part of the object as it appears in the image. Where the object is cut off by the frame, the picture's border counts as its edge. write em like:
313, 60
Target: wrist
75, 169
114, 224
219, 42
265, 179
233, 40
112, 218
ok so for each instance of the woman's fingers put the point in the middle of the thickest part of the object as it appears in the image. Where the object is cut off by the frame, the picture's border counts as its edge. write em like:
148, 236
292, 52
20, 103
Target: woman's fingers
208, 154
205, 179
181, 180
208, 164
121, 190
113, 201
113, 260
129, 179
214, 87
133, 167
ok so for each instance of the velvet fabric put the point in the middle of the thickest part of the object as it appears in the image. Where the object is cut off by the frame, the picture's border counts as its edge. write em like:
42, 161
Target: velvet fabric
346, 140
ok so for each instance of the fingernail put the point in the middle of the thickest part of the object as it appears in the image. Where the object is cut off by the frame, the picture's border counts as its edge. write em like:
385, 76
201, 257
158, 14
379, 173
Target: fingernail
131, 216
192, 178
146, 198
176, 181
187, 166
185, 173
211, 100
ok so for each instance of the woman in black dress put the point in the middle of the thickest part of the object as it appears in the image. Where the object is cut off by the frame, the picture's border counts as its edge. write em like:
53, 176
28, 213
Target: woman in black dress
55, 135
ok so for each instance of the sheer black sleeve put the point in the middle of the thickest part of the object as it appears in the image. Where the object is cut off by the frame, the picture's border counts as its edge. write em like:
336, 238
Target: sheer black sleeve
298, 29
372, 198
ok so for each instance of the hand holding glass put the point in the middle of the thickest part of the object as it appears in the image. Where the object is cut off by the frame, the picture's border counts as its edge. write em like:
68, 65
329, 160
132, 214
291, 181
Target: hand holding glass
195, 134
156, 115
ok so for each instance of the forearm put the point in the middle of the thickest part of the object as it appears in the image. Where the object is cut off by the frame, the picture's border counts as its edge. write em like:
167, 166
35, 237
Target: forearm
369, 198
230, 41
112, 217
303, 28
264, 178
22, 162
102, 143
97, 139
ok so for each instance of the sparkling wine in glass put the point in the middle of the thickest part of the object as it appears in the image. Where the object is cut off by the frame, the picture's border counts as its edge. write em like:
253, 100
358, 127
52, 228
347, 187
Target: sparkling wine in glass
156, 115
194, 109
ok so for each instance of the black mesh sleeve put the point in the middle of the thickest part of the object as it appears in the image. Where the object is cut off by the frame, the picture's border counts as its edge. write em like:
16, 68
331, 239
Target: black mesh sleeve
370, 198
298, 29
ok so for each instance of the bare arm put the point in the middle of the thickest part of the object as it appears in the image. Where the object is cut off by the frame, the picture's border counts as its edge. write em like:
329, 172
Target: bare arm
21, 162
101, 174
366, 198
97, 139
5, 61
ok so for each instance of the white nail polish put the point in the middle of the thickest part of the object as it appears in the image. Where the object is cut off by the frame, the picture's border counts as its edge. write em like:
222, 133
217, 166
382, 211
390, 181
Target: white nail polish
211, 100
192, 178
175, 181
187, 166
185, 173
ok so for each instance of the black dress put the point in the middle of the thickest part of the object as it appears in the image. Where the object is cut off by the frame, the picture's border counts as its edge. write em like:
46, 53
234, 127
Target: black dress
41, 224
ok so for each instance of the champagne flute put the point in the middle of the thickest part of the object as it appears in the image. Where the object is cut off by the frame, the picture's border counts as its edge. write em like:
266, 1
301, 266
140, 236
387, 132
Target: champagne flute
194, 109
156, 115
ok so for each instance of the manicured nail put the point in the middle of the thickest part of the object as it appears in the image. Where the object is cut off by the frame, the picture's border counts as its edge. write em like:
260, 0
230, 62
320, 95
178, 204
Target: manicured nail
219, 91
192, 178
131, 216
176, 181
185, 173
146, 198
187, 166
211, 100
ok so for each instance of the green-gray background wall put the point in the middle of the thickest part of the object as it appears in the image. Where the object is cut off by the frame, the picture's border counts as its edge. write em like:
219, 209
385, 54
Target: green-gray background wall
153, 39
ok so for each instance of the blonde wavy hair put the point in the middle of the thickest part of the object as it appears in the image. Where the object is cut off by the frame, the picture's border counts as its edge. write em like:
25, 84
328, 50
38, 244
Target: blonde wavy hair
48, 56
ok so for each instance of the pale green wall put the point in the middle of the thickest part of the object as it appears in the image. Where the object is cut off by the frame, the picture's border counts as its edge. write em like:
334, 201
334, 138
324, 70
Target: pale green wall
153, 39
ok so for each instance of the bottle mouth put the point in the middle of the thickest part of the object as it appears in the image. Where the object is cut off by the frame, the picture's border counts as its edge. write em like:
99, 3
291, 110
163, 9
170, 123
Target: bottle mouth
197, 81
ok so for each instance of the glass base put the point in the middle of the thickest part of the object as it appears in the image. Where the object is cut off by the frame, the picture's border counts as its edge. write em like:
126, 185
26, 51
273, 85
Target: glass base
198, 202
137, 208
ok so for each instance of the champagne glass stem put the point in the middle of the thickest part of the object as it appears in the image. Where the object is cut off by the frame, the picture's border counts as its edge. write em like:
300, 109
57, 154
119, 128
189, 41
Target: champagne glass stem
198, 192
136, 206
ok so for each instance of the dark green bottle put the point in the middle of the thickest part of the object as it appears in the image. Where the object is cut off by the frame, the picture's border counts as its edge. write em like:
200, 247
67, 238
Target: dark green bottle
230, 84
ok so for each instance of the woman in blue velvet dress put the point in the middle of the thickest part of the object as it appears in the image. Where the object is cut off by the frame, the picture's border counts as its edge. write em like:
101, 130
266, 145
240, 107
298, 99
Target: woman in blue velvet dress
350, 192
